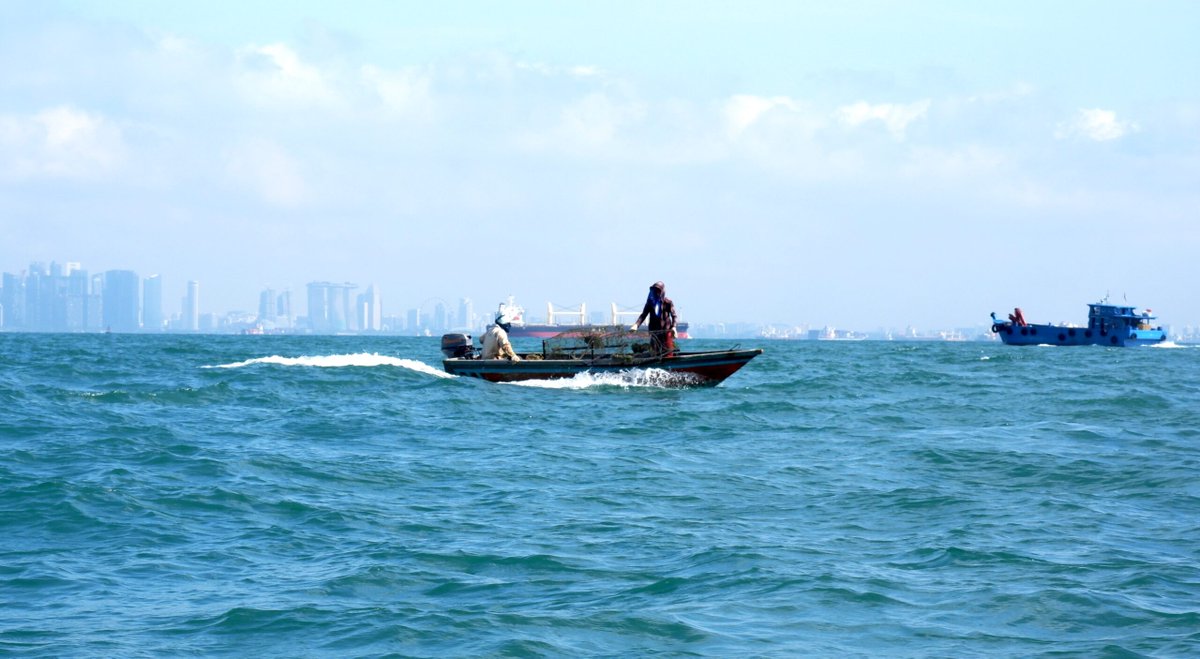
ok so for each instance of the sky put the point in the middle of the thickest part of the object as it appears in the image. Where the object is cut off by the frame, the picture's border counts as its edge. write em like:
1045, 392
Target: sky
859, 164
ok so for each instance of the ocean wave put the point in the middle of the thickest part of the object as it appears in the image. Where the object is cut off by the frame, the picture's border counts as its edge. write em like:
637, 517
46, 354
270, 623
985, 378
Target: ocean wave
654, 378
362, 359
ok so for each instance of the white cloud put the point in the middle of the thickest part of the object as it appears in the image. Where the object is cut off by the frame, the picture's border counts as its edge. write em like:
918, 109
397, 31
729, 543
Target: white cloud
1096, 125
896, 117
596, 118
403, 92
551, 71
585, 71
744, 110
267, 170
61, 142
275, 74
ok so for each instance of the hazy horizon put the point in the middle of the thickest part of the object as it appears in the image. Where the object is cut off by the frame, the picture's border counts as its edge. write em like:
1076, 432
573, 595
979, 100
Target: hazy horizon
861, 165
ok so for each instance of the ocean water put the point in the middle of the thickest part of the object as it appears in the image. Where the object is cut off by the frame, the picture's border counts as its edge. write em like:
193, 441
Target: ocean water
341, 496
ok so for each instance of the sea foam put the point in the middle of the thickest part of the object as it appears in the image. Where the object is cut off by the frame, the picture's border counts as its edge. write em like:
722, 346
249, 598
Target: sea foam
361, 359
656, 378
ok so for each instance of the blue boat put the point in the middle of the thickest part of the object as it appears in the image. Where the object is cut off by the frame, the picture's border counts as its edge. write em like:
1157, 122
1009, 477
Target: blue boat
1108, 325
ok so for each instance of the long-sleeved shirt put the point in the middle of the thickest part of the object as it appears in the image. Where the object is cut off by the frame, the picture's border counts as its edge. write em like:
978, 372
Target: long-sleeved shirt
662, 321
496, 345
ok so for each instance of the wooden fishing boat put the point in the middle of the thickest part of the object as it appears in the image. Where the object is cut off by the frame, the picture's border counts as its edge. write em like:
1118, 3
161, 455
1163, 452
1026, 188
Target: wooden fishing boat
595, 349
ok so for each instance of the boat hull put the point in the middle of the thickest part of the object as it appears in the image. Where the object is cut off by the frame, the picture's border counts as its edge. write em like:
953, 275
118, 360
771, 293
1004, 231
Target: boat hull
1034, 334
694, 369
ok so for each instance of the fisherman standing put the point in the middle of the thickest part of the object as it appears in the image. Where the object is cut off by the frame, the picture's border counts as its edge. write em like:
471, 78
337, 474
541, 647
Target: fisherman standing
661, 311
495, 340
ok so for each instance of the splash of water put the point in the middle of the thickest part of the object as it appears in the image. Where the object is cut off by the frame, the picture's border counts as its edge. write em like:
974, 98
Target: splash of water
361, 359
633, 378
1168, 344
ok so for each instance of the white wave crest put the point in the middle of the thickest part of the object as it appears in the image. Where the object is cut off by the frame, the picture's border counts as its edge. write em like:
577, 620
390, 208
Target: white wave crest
1168, 344
362, 359
651, 377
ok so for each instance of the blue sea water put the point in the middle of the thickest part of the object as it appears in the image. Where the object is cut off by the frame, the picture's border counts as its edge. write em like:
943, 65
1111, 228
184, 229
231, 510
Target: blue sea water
341, 496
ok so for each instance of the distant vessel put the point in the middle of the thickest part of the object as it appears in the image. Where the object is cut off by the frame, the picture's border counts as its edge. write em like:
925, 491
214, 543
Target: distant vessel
831, 334
561, 320
1108, 325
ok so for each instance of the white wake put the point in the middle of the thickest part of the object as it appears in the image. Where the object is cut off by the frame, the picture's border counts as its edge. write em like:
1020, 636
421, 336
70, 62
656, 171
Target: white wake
362, 359
632, 378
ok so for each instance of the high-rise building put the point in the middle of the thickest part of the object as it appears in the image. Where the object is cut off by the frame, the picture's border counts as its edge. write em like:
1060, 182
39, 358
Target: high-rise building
78, 297
267, 310
283, 309
439, 318
121, 298
370, 310
35, 313
12, 298
466, 314
191, 307
152, 307
330, 308
95, 304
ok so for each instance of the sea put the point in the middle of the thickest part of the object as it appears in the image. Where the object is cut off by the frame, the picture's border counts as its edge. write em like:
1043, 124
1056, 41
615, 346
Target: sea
309, 496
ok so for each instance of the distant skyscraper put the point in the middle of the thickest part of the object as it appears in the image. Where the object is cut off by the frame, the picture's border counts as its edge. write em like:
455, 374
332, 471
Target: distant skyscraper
318, 311
95, 304
370, 311
267, 310
12, 298
152, 307
121, 298
34, 312
466, 313
330, 308
283, 309
439, 318
78, 298
191, 307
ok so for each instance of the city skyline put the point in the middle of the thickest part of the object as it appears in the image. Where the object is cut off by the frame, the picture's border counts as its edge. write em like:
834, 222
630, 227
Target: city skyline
65, 297
866, 163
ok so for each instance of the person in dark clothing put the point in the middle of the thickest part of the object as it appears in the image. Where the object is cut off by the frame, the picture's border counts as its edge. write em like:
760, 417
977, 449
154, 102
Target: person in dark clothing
661, 312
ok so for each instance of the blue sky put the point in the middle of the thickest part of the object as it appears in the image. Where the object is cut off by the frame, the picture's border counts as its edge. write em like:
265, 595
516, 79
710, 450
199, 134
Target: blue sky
861, 165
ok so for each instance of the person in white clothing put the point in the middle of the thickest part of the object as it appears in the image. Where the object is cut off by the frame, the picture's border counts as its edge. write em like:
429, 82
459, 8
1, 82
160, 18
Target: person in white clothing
495, 341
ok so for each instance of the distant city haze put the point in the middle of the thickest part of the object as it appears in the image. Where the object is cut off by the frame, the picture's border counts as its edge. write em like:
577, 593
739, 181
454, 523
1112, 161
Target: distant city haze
862, 165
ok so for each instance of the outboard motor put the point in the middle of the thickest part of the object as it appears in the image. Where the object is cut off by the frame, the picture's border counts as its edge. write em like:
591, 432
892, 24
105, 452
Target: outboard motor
457, 345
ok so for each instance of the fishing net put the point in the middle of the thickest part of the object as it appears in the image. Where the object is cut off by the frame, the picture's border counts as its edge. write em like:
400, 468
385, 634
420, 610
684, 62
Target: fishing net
597, 341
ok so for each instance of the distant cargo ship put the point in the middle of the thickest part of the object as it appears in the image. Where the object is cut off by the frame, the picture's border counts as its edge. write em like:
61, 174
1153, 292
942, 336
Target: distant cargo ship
561, 320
